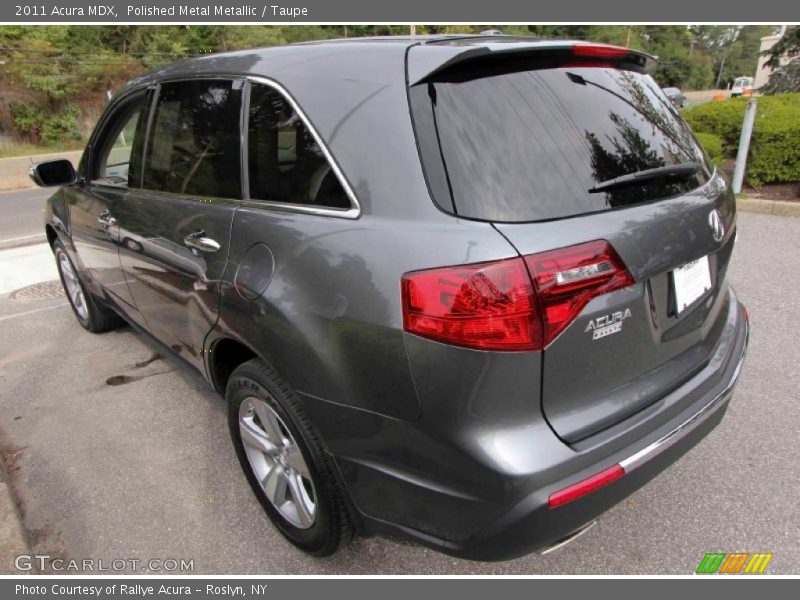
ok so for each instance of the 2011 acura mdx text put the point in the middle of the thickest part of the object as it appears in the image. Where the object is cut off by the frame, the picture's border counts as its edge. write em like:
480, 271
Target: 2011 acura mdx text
464, 290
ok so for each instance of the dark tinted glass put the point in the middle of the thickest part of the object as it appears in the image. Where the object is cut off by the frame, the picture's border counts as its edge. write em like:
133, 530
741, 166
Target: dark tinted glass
194, 140
285, 162
529, 145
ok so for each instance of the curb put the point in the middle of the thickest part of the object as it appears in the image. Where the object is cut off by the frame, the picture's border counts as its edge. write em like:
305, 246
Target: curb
18, 242
769, 207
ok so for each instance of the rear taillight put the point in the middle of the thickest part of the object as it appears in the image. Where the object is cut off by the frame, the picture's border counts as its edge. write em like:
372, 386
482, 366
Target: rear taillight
567, 279
503, 305
489, 306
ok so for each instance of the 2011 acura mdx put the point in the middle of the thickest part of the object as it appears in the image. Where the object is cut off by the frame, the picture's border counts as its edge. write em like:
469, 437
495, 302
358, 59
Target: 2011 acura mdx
465, 290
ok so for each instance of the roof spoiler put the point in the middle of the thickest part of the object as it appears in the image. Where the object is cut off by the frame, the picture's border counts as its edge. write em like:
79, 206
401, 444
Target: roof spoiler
440, 56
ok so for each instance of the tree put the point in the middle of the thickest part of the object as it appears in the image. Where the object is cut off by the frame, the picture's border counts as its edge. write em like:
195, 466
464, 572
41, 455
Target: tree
671, 43
787, 48
784, 59
743, 55
784, 80
731, 50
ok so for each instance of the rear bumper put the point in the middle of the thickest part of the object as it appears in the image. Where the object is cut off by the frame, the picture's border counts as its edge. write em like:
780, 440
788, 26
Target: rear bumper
527, 523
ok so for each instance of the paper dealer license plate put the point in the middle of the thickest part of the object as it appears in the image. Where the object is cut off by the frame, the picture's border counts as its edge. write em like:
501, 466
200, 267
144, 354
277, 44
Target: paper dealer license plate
691, 281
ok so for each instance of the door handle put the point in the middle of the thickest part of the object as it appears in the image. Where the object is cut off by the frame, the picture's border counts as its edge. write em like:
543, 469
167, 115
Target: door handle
105, 218
199, 241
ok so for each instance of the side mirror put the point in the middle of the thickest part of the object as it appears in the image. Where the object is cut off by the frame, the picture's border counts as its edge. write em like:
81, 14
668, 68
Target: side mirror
53, 173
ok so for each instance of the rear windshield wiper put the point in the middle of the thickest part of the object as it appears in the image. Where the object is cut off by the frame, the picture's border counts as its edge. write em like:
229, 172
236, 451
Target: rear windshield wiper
680, 170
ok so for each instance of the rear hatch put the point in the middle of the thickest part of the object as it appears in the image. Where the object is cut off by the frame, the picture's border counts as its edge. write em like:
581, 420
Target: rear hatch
582, 163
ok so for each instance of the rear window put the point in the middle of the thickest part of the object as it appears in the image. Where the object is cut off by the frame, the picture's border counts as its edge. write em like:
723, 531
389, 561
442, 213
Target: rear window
528, 144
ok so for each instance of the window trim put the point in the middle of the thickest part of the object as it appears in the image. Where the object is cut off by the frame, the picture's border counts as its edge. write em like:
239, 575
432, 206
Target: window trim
353, 212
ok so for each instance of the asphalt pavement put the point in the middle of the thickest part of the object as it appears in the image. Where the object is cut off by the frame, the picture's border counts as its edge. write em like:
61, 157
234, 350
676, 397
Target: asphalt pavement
145, 469
21, 214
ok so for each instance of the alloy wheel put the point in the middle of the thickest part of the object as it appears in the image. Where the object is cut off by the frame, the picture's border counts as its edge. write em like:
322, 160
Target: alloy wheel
277, 462
72, 286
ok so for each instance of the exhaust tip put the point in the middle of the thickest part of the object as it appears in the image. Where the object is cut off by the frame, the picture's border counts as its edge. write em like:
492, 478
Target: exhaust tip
567, 538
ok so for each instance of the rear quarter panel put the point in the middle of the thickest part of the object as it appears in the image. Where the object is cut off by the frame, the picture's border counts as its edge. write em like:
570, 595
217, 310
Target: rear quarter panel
330, 319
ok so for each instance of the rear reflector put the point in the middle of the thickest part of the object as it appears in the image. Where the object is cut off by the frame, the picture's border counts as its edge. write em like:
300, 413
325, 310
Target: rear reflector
588, 485
599, 50
513, 304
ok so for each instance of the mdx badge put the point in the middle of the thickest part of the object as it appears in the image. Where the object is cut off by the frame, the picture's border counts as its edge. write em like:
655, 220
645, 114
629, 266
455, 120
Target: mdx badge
607, 324
716, 224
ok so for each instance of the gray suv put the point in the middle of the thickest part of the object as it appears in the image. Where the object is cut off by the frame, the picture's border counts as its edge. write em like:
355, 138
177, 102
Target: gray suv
464, 290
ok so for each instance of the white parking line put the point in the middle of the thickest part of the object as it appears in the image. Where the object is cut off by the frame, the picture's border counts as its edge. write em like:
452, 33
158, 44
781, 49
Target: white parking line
36, 310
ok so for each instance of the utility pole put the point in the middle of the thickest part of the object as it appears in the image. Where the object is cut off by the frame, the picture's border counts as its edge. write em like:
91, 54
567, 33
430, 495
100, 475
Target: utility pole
721, 66
628, 38
744, 145
413, 30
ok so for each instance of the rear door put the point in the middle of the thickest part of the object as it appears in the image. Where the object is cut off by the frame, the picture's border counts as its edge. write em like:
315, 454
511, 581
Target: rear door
174, 228
528, 143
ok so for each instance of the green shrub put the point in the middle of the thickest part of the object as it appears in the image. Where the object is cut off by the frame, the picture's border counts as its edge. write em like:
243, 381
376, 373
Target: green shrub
712, 144
41, 126
723, 119
775, 149
775, 145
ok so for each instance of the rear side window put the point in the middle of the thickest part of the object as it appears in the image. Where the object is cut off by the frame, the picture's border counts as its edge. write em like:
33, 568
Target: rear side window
529, 144
193, 145
285, 162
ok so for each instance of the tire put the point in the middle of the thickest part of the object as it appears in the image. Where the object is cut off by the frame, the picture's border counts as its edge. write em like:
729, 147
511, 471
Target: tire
256, 394
91, 314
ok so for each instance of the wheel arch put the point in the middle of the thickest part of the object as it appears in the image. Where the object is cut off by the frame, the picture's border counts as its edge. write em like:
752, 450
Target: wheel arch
225, 354
51, 234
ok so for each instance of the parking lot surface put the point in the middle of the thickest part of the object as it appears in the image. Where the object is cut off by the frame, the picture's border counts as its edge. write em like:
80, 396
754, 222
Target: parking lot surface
21, 213
115, 452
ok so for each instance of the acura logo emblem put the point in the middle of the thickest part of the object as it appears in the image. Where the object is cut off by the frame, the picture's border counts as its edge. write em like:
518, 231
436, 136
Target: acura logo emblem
717, 227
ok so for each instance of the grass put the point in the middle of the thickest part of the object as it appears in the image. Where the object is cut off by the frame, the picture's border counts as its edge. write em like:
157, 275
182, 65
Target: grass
12, 150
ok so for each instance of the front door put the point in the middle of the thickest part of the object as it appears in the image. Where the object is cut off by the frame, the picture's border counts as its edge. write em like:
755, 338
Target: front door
111, 163
174, 229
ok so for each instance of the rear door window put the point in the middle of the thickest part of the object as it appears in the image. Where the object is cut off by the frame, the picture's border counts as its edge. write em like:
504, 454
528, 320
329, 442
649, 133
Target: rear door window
194, 140
526, 144
285, 162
